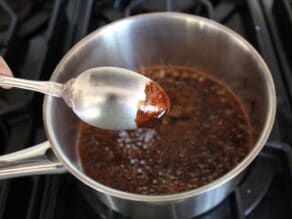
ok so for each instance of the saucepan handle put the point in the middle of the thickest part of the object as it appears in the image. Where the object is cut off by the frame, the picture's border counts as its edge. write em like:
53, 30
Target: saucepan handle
35, 160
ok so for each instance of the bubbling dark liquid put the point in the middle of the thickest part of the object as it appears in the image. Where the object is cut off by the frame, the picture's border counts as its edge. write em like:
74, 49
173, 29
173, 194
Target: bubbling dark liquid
206, 133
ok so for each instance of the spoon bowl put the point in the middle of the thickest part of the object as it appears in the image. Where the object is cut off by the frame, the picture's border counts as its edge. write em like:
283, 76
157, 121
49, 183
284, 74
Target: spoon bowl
106, 97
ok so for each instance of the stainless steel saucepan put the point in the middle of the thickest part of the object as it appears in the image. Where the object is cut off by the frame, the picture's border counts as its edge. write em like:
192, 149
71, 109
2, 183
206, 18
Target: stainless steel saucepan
141, 41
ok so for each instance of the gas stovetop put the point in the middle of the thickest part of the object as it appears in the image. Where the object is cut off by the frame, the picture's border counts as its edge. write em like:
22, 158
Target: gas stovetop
35, 34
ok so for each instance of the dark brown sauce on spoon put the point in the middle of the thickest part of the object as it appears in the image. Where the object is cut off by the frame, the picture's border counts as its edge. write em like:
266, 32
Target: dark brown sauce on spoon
155, 106
206, 133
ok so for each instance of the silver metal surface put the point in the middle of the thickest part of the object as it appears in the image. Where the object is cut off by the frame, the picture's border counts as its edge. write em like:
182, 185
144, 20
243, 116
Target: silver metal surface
45, 87
105, 97
31, 161
108, 97
165, 39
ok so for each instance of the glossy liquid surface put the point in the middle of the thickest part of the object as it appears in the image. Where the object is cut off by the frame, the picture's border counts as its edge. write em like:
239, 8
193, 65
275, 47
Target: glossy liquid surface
206, 133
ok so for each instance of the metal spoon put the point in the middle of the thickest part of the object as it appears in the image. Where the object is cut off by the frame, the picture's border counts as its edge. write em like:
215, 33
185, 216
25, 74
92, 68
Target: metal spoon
106, 97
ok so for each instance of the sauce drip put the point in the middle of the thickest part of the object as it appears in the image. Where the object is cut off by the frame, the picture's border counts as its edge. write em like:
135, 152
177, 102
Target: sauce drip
206, 133
155, 106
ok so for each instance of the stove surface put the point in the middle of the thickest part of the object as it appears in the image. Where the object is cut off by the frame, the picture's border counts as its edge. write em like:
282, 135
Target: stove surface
34, 36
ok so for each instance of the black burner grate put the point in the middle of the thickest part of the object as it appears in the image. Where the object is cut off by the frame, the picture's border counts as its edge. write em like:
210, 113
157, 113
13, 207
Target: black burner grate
199, 7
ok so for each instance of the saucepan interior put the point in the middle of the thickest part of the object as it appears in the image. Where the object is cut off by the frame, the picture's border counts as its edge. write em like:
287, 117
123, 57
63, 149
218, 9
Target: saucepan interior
164, 39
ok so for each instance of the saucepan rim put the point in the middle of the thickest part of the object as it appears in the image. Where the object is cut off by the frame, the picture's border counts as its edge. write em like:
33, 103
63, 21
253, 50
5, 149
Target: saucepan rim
47, 115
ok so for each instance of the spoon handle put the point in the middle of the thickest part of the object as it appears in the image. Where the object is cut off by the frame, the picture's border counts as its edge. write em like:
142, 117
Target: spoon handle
45, 87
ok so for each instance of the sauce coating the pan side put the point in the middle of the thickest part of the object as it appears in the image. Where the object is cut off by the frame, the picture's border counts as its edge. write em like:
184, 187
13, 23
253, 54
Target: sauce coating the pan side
206, 133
